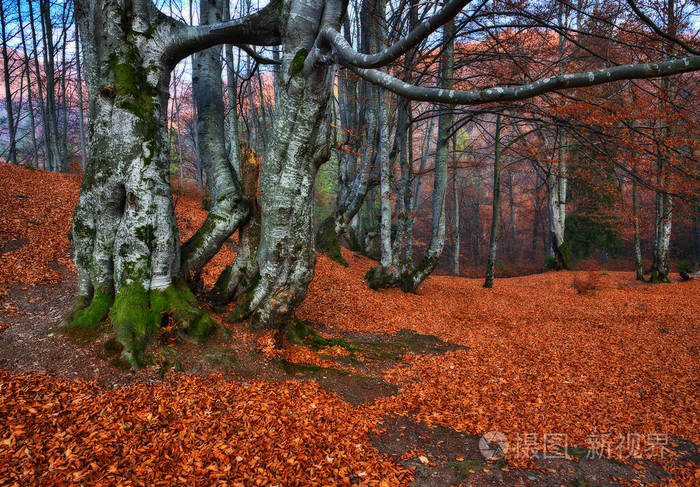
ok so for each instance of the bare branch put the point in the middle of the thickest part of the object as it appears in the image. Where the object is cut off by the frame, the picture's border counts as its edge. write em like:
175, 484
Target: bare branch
257, 57
393, 52
660, 31
539, 87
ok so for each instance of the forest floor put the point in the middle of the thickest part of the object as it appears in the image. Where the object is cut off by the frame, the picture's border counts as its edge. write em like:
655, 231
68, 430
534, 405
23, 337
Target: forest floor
371, 388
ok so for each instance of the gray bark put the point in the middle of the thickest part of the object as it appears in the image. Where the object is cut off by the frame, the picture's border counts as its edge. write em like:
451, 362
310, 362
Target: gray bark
301, 142
12, 151
496, 207
27, 71
39, 87
235, 280
360, 128
639, 270
455, 199
411, 281
556, 206
126, 246
229, 207
81, 122
54, 154
416, 193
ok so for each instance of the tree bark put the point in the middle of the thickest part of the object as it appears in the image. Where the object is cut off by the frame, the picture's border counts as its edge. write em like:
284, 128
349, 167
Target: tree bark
229, 207
496, 206
410, 281
125, 239
638, 268
54, 155
12, 150
30, 104
360, 131
556, 206
301, 142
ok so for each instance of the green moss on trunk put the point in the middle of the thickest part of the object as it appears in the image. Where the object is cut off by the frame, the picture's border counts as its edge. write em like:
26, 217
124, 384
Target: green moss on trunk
179, 302
328, 241
378, 278
86, 316
134, 322
242, 310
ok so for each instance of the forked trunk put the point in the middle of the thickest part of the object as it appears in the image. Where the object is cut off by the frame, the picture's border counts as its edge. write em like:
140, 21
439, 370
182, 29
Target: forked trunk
125, 238
301, 142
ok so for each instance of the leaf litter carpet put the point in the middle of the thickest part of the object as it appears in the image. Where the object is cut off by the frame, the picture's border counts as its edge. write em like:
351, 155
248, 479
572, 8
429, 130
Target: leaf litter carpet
539, 362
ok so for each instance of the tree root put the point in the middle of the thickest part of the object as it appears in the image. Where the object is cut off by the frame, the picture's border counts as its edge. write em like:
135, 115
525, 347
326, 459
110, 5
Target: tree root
137, 314
88, 313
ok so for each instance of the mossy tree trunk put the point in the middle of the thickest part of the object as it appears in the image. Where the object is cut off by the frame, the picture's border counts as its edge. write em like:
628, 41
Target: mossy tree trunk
359, 132
125, 238
238, 278
229, 206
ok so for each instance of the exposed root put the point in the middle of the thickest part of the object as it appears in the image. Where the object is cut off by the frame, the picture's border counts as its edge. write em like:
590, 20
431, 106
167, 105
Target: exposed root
137, 315
85, 316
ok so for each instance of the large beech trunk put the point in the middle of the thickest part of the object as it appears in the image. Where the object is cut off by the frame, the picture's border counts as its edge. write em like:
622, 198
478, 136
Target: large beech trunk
301, 142
125, 239
124, 234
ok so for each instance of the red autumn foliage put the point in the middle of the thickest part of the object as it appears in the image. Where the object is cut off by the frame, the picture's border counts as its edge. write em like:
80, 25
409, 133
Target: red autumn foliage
541, 358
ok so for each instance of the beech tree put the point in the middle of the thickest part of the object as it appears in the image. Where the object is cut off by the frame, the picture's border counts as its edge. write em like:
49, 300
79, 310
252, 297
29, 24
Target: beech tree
129, 261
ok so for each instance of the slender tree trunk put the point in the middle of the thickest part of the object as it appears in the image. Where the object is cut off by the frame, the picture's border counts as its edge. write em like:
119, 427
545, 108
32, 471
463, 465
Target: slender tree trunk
12, 151
556, 205
64, 99
410, 281
511, 215
27, 71
81, 124
48, 164
455, 199
360, 131
664, 203
232, 95
176, 102
496, 206
385, 192
639, 270
416, 194
696, 236
53, 149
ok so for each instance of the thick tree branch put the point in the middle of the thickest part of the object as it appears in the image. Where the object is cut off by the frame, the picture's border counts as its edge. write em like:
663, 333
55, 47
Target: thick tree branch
263, 28
393, 52
539, 87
